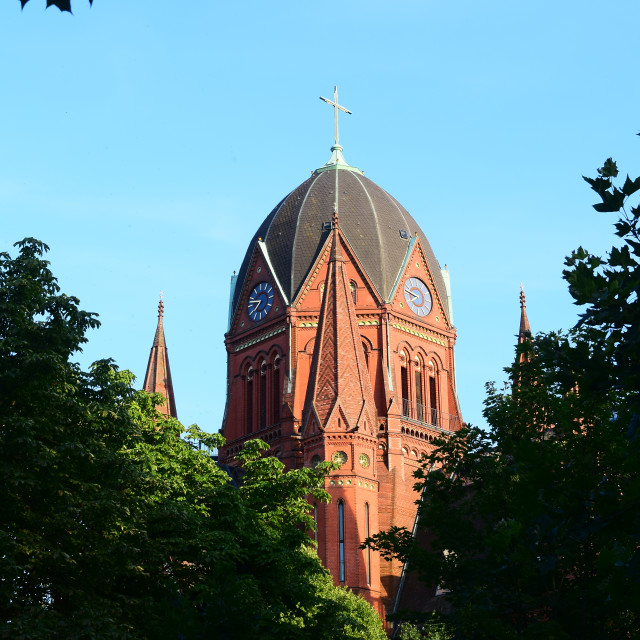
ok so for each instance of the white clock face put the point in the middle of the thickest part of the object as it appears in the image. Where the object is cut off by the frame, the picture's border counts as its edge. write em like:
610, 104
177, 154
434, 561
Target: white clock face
417, 296
260, 301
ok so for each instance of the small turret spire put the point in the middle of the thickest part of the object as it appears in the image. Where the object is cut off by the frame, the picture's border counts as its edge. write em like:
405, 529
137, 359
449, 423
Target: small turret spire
336, 252
525, 329
524, 334
158, 376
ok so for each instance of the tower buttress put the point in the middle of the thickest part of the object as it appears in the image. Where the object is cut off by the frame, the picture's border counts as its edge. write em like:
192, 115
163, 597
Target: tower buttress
340, 424
157, 379
339, 379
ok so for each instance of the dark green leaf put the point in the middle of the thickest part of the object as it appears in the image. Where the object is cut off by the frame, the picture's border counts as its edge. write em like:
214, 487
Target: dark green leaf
631, 186
609, 169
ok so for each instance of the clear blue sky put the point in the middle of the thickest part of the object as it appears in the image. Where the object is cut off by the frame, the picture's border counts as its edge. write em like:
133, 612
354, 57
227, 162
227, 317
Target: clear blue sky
145, 141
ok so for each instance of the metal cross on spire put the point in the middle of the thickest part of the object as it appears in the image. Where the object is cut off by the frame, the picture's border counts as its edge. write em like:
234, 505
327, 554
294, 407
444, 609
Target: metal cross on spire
336, 106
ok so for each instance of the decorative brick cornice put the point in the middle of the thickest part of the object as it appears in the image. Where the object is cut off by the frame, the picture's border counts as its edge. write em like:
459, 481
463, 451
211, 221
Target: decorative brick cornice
345, 481
420, 332
363, 321
259, 338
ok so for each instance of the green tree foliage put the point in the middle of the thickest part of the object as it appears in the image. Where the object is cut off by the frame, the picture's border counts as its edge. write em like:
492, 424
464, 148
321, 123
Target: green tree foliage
63, 5
535, 524
114, 525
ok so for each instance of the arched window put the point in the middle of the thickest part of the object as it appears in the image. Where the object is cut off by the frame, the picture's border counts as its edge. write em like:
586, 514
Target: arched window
365, 348
315, 520
367, 551
248, 400
433, 393
262, 396
404, 384
321, 290
341, 540
275, 390
354, 291
420, 412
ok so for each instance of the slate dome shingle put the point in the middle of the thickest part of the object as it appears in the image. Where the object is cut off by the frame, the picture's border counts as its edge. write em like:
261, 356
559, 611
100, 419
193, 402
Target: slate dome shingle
371, 220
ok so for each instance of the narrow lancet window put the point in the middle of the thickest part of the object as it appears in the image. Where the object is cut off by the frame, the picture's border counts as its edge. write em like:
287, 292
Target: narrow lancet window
315, 520
418, 385
341, 539
433, 400
367, 551
404, 386
365, 348
248, 401
262, 404
275, 391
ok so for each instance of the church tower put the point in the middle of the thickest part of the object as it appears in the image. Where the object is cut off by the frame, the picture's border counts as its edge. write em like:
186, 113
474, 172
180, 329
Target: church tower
340, 347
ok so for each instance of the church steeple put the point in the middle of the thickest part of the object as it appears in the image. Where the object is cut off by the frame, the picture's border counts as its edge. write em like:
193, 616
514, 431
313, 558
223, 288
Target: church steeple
158, 376
338, 365
339, 391
525, 329
524, 333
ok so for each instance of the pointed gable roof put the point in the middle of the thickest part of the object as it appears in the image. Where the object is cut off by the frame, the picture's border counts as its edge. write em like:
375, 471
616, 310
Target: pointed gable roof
339, 380
158, 376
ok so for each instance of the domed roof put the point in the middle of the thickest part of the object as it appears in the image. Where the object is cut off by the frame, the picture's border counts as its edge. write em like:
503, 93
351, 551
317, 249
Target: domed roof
377, 227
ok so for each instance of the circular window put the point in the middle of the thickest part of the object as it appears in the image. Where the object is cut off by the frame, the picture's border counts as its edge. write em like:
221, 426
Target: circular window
339, 457
316, 460
364, 460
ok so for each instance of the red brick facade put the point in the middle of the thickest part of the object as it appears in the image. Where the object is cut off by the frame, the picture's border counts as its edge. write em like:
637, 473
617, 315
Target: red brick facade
342, 372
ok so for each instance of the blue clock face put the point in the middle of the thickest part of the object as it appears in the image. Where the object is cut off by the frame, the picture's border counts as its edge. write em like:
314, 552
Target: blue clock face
417, 296
260, 301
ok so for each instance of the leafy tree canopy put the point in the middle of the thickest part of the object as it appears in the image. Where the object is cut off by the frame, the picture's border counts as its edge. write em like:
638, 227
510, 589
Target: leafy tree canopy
535, 524
114, 525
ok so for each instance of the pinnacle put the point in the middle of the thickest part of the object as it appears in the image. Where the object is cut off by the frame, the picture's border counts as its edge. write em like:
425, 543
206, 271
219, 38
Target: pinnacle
157, 379
525, 328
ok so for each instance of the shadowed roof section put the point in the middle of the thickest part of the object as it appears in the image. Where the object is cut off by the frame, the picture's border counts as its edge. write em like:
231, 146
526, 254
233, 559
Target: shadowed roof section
158, 376
371, 221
